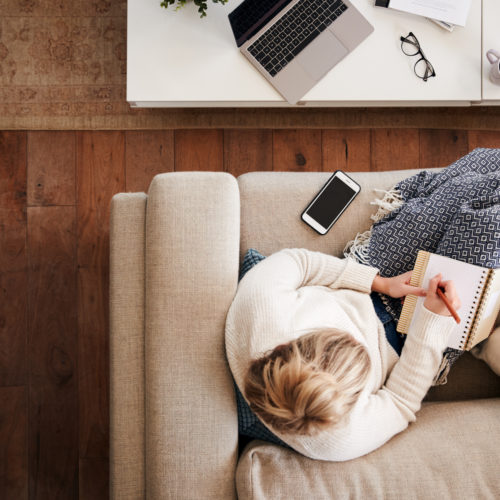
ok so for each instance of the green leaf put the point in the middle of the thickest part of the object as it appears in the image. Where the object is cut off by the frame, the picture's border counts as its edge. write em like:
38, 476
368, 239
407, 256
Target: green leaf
201, 4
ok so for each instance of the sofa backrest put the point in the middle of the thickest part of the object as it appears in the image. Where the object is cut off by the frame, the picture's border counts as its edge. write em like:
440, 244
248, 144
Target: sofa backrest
272, 202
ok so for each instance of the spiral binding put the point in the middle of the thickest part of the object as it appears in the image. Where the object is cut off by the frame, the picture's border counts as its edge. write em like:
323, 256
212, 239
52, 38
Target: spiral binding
480, 298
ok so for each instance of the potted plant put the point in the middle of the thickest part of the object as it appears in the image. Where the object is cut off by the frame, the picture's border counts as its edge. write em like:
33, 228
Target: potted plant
201, 4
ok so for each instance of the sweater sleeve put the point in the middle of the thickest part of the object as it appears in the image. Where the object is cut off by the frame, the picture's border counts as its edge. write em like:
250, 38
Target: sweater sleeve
379, 416
292, 269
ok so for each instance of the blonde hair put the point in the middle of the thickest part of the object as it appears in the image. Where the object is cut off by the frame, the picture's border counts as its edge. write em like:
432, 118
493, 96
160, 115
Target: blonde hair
309, 384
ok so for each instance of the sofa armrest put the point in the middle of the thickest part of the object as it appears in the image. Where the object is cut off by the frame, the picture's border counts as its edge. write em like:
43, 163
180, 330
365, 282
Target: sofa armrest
127, 239
192, 246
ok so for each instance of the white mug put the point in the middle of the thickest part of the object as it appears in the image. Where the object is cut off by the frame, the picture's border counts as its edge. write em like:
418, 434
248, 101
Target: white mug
494, 58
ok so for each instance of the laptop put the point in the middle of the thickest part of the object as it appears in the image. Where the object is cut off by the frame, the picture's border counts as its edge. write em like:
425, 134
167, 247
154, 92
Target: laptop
294, 43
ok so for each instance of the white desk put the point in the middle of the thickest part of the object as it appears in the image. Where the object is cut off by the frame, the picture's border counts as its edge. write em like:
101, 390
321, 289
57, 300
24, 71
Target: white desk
176, 59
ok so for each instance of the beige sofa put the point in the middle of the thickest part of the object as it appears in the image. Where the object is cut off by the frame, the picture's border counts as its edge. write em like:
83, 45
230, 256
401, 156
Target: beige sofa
175, 255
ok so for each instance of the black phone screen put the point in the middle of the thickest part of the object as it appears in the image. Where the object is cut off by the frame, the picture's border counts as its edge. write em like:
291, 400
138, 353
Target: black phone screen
331, 202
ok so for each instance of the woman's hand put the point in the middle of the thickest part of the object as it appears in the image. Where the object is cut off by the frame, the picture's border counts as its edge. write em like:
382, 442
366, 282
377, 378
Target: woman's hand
434, 303
398, 286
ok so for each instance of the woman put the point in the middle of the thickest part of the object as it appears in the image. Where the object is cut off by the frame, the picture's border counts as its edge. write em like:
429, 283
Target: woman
311, 356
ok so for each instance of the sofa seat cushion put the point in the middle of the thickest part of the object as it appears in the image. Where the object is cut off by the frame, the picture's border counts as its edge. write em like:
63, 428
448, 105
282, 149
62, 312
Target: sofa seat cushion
451, 451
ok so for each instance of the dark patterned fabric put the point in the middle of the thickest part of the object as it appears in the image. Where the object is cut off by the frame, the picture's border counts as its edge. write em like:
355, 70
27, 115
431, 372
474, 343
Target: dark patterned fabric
251, 258
249, 425
454, 212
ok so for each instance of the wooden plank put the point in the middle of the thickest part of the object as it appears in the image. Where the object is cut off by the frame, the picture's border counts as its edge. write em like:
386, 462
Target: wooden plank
394, 149
12, 169
13, 443
148, 153
199, 150
52, 168
247, 150
93, 367
94, 479
13, 255
13, 259
440, 148
297, 150
53, 353
13, 328
348, 150
12, 201
483, 139
101, 174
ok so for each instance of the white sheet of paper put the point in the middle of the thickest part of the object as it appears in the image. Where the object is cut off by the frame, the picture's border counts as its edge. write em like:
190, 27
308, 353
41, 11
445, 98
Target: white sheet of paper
450, 11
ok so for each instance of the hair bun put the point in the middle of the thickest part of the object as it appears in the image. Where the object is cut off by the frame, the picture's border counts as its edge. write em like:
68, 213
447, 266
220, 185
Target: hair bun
309, 384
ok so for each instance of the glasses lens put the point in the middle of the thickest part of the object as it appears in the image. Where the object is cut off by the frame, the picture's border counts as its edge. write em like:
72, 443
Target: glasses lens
424, 69
410, 45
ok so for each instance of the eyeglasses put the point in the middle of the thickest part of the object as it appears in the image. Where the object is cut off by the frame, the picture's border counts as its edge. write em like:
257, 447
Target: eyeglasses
411, 47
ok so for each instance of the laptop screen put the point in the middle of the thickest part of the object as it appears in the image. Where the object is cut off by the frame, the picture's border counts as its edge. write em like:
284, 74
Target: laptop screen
251, 15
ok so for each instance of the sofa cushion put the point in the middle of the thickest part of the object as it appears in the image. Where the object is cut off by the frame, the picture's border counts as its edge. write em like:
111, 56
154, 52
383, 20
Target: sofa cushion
450, 452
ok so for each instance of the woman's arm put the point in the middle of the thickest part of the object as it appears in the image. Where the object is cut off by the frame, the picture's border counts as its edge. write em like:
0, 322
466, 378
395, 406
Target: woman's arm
397, 286
292, 269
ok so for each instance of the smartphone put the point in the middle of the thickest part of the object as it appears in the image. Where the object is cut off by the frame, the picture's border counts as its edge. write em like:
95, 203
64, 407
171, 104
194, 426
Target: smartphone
331, 201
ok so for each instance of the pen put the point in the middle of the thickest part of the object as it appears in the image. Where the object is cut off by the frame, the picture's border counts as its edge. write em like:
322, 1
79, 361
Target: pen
443, 297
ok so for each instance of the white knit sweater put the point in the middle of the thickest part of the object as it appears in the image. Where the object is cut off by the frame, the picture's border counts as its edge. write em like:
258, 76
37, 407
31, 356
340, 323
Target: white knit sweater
294, 291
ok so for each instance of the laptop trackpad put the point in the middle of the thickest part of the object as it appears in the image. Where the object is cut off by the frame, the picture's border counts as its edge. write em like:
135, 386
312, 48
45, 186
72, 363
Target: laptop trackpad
321, 55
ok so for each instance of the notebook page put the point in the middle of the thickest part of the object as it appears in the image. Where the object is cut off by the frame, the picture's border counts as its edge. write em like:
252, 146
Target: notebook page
488, 311
467, 278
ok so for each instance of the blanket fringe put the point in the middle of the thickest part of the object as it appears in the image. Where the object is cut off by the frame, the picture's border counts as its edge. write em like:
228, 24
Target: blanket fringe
391, 200
357, 249
442, 376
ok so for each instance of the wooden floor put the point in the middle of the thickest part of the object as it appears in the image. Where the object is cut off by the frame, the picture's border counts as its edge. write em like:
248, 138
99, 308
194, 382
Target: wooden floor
55, 190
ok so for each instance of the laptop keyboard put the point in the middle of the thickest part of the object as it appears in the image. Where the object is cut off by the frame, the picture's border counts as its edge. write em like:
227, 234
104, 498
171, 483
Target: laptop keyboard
293, 32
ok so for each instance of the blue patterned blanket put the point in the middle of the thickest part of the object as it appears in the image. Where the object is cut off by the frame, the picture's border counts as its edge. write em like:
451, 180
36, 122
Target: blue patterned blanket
453, 212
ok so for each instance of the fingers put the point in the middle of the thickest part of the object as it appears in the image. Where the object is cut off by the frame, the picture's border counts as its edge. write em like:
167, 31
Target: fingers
406, 277
451, 293
414, 290
435, 303
407, 289
448, 287
434, 283
421, 292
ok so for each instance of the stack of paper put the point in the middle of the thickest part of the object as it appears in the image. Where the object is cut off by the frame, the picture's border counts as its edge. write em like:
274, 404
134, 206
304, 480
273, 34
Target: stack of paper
451, 12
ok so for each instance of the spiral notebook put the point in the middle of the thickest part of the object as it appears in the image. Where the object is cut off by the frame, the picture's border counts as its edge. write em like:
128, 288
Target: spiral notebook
478, 289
